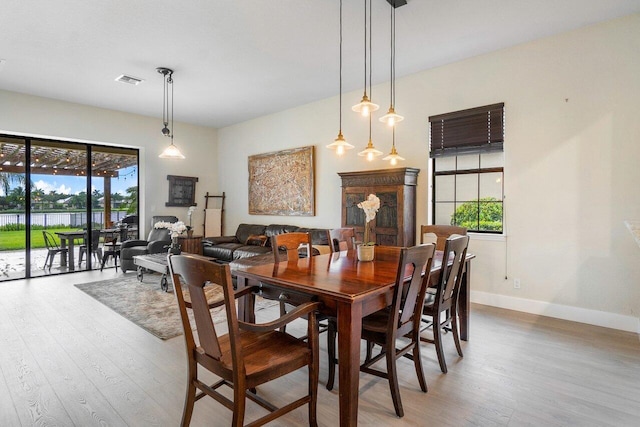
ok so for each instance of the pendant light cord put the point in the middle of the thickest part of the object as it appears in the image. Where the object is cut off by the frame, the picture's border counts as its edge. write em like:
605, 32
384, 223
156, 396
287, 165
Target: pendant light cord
392, 71
170, 81
370, 59
365, 47
340, 112
164, 102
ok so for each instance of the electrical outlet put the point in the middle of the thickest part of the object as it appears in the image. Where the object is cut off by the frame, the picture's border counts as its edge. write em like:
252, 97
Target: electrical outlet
516, 283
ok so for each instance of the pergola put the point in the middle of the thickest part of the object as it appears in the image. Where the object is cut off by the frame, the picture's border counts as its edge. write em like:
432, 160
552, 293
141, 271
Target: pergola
68, 159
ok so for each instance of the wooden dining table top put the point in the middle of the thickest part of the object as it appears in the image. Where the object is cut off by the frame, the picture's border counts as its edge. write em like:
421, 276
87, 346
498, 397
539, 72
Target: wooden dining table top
339, 275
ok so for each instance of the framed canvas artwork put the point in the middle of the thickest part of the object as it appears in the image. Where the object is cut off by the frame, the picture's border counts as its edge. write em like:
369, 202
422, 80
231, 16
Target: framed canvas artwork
282, 183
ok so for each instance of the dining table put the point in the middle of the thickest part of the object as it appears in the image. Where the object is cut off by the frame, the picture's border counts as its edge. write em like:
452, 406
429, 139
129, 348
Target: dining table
67, 239
349, 290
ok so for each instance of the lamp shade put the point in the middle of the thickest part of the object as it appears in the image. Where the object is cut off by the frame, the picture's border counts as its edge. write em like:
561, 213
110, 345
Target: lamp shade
340, 145
171, 152
370, 152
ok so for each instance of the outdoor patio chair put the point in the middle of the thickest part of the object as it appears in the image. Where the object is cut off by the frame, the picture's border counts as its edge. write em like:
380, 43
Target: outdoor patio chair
52, 249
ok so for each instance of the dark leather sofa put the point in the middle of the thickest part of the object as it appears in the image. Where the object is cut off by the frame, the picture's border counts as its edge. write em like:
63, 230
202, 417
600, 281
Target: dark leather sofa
254, 239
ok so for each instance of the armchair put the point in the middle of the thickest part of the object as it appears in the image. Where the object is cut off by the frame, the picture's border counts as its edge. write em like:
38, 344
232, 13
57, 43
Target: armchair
157, 241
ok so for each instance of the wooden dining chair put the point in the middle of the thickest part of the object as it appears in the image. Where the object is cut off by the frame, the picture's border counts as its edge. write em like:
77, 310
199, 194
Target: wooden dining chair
441, 232
445, 298
52, 249
341, 239
248, 355
400, 320
288, 245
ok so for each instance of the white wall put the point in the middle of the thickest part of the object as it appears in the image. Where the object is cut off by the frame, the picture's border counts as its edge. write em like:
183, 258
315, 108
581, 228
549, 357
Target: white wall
571, 166
35, 116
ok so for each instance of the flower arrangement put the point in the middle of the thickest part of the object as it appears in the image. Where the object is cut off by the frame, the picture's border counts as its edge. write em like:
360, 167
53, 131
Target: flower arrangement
176, 228
190, 212
370, 208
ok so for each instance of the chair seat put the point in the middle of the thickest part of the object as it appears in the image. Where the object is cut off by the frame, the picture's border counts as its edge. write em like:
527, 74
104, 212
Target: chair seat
267, 355
377, 322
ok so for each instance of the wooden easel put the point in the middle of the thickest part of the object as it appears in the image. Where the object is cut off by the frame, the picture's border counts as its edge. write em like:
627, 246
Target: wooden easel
206, 205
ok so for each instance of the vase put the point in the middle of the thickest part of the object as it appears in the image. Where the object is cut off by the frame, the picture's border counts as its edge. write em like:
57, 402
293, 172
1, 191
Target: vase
366, 252
174, 248
189, 233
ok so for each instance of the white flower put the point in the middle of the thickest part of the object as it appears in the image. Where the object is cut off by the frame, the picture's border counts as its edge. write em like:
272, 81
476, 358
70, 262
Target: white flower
370, 207
176, 228
190, 211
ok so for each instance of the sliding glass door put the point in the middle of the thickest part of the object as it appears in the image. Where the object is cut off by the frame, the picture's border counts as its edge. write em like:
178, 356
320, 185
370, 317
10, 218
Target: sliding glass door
58, 203
13, 205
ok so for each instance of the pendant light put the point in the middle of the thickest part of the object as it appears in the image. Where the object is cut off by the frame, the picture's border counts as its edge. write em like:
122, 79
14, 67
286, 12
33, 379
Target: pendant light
391, 118
171, 152
370, 152
365, 106
393, 155
340, 144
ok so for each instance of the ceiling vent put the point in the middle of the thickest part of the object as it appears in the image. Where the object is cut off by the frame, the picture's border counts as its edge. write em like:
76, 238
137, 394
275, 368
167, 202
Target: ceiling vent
129, 79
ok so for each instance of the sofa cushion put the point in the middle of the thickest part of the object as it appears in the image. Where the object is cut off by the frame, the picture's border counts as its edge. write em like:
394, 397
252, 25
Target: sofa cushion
245, 230
250, 251
223, 251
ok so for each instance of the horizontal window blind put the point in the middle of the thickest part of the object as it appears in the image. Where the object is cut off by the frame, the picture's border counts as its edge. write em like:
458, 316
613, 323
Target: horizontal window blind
476, 130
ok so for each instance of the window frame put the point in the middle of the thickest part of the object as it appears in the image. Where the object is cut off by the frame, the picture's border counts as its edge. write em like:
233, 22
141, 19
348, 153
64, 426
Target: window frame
474, 131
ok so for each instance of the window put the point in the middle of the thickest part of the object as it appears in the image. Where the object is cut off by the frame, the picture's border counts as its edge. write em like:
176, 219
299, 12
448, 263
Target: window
468, 176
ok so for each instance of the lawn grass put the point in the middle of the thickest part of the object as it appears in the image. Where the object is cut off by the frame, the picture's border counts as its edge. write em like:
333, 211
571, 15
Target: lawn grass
15, 240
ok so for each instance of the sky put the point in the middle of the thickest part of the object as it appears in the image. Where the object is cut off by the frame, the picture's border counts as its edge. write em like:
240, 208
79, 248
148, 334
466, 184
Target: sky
76, 184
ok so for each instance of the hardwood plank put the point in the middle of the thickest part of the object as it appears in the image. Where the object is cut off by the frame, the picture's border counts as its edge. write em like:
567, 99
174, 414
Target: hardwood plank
66, 359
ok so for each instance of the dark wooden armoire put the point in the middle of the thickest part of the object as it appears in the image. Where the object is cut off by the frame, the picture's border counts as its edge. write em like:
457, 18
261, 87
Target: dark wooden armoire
395, 222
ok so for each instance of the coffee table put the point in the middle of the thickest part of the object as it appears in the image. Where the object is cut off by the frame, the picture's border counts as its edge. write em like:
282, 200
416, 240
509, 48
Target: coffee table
153, 262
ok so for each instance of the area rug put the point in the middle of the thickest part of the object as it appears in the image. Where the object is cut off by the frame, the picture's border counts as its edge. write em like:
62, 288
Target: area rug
146, 305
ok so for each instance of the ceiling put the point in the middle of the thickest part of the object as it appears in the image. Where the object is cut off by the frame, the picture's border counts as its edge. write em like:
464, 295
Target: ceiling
235, 60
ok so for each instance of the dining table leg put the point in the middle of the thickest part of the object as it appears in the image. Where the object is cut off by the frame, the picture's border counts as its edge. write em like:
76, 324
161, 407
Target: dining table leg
63, 245
464, 302
349, 333
72, 265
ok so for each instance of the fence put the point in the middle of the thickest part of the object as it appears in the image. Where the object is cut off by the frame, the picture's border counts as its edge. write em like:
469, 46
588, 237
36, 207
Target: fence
73, 219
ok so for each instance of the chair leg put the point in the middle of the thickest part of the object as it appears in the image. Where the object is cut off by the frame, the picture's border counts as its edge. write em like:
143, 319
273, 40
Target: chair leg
189, 401
331, 350
437, 340
46, 260
239, 403
283, 311
456, 335
417, 362
370, 345
393, 379
313, 393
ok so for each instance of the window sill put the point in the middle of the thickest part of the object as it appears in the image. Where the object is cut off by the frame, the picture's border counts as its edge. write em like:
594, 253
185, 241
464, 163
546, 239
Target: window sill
488, 237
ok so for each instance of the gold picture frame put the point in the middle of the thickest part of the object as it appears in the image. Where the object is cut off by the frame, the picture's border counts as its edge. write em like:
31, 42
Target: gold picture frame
282, 183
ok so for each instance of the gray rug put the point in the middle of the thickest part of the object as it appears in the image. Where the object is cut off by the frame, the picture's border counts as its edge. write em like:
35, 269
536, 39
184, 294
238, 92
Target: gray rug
146, 305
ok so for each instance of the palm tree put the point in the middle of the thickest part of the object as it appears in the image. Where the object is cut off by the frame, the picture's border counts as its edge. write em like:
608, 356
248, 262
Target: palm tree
7, 178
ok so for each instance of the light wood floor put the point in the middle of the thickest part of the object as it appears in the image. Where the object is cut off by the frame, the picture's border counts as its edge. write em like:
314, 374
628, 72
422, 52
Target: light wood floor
65, 359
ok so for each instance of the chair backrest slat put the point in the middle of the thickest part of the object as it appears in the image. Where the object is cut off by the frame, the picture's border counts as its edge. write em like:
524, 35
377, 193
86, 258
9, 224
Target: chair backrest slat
442, 232
409, 294
288, 243
342, 238
455, 252
198, 274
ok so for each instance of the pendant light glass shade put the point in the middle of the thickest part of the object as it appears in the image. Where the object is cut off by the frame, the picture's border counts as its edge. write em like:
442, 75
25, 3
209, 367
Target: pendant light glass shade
365, 106
391, 118
171, 152
370, 152
340, 144
393, 155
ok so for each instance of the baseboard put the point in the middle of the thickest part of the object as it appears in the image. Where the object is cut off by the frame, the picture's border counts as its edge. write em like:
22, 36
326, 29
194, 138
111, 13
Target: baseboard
565, 312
